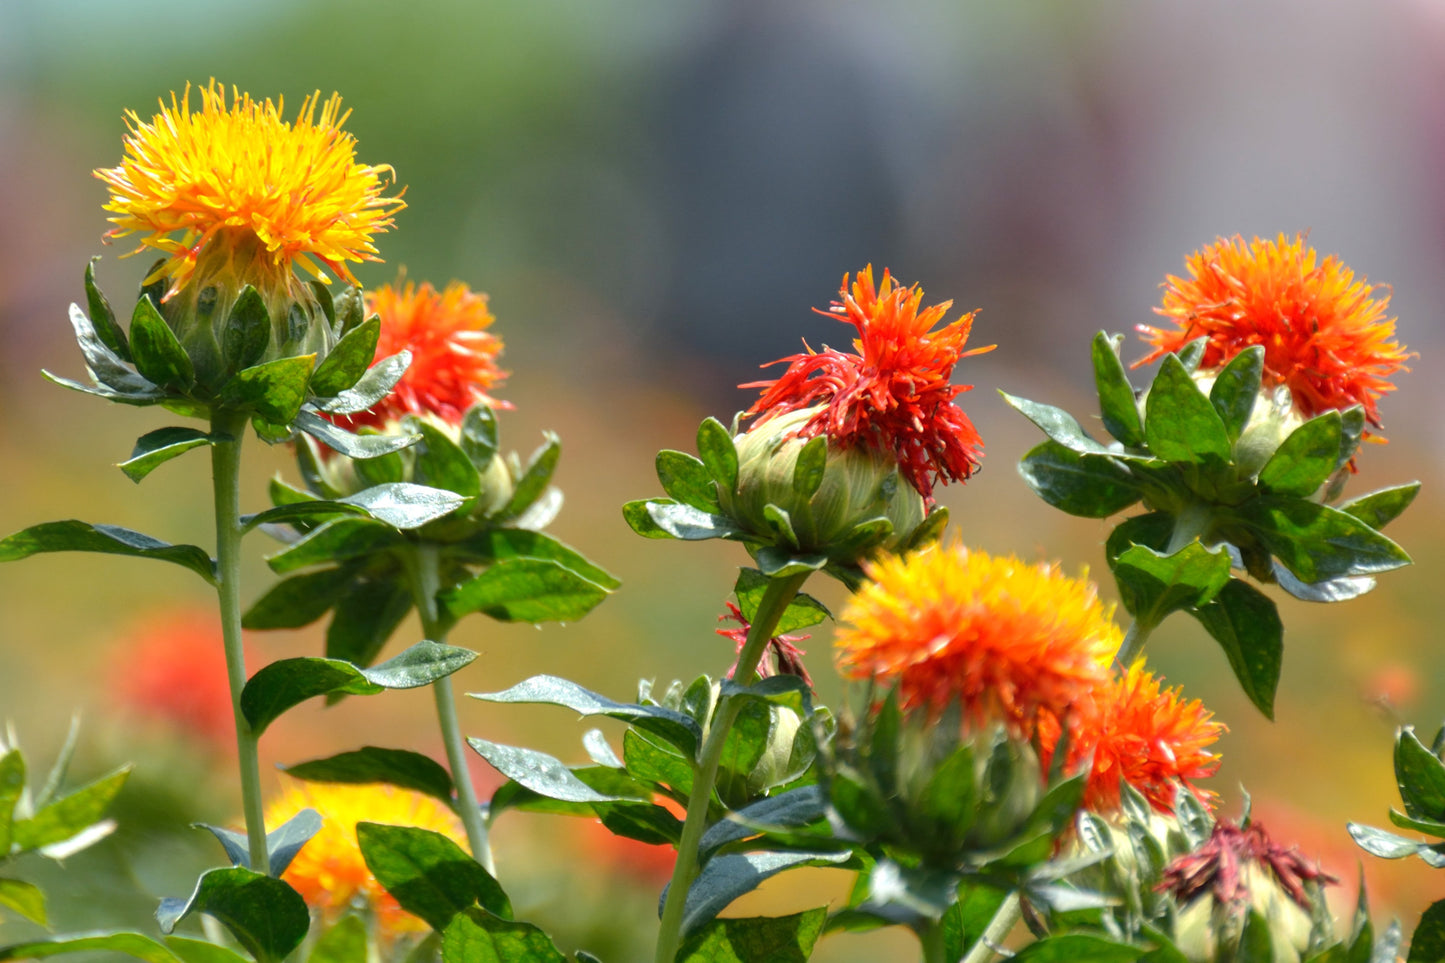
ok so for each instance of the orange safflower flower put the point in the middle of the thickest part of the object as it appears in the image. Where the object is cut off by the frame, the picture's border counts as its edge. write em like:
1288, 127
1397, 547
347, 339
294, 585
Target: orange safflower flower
453, 356
239, 181
1324, 334
1149, 736
894, 395
1007, 640
329, 872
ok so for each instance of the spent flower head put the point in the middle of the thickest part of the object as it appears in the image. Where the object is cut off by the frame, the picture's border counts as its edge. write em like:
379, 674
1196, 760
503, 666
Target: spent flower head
895, 394
782, 650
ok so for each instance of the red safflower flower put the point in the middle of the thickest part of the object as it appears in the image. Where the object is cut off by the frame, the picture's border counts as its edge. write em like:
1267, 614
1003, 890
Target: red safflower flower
1324, 335
783, 648
1224, 865
453, 356
894, 395
172, 669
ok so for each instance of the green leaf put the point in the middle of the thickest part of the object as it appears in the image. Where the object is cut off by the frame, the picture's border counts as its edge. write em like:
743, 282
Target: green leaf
12, 787
1152, 584
24, 898
201, 951
1247, 627
495, 544
604, 779
353, 446
1420, 776
687, 479
366, 616
107, 367
298, 600
247, 331
441, 462
1058, 424
158, 355
1117, 402
534, 480
337, 540
688, 523
650, 762
725, 878
787, 810
373, 386
1180, 424
810, 466
275, 390
1192, 353
1078, 947
102, 317
1427, 945
1305, 460
1378, 508
777, 939
139, 397
643, 822
342, 942
526, 590
289, 682
77, 536
967, 919
718, 452
155, 448
348, 307
638, 515
266, 916
1316, 542
676, 728
1091, 486
804, 611
477, 936
1330, 590
282, 843
373, 764
69, 815
775, 562
1236, 389
430, 876
540, 773
303, 513
348, 360
746, 742
131, 944
405, 505
1384, 844
1430, 827
479, 436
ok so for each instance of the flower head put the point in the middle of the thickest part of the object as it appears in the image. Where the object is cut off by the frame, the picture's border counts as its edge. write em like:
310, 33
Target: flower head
1232, 861
1325, 334
783, 648
894, 395
172, 669
239, 184
1009, 641
329, 872
1146, 735
453, 355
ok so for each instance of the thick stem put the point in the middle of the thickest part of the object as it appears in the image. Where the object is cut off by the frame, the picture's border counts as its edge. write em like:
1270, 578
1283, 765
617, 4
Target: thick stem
930, 938
227, 428
1193, 522
776, 598
999, 927
425, 581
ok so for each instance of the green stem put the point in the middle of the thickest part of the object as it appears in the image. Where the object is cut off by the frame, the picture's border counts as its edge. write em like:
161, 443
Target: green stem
930, 937
998, 929
227, 428
1191, 523
776, 598
425, 581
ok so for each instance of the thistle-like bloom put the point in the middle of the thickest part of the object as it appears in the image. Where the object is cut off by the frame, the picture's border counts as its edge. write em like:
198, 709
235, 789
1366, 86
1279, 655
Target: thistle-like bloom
783, 648
1007, 640
329, 872
894, 395
243, 187
453, 355
1148, 736
1230, 863
1325, 334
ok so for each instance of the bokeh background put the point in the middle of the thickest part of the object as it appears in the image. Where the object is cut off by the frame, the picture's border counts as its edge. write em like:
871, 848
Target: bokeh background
655, 194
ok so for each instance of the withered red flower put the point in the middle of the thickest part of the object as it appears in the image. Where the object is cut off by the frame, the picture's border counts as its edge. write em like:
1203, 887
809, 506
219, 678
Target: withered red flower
1223, 865
783, 648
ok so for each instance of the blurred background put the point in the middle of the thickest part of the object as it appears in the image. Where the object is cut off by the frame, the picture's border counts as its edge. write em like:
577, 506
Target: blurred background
655, 194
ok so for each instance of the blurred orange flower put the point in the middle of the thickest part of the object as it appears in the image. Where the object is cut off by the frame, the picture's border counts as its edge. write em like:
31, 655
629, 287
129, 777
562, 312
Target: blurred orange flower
894, 395
454, 357
171, 669
240, 179
1324, 334
1006, 639
329, 872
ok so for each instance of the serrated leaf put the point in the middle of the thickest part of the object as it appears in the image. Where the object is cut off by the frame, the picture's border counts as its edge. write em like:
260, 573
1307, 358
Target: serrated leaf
1152, 584
1247, 627
348, 360
725, 878
525, 590
718, 452
1058, 424
266, 916
353, 446
1090, 486
496, 544
72, 535
540, 773
373, 764
247, 330
476, 936
70, 815
1180, 424
1316, 542
441, 463
373, 386
159, 357
428, 874
131, 944
1117, 403
687, 480
155, 448
337, 540
777, 939
1236, 389
1378, 508
804, 611
275, 389
676, 728
1305, 460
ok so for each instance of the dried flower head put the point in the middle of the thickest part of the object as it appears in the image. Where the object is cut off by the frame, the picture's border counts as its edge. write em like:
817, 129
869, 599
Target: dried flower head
894, 395
329, 872
1007, 640
239, 183
1325, 334
1228, 864
783, 649
453, 355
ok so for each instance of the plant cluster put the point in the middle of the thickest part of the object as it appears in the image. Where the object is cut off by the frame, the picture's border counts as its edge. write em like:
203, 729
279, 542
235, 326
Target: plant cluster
1005, 769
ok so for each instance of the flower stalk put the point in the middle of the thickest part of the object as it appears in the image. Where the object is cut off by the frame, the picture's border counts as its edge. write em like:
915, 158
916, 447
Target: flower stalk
227, 429
775, 601
999, 927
